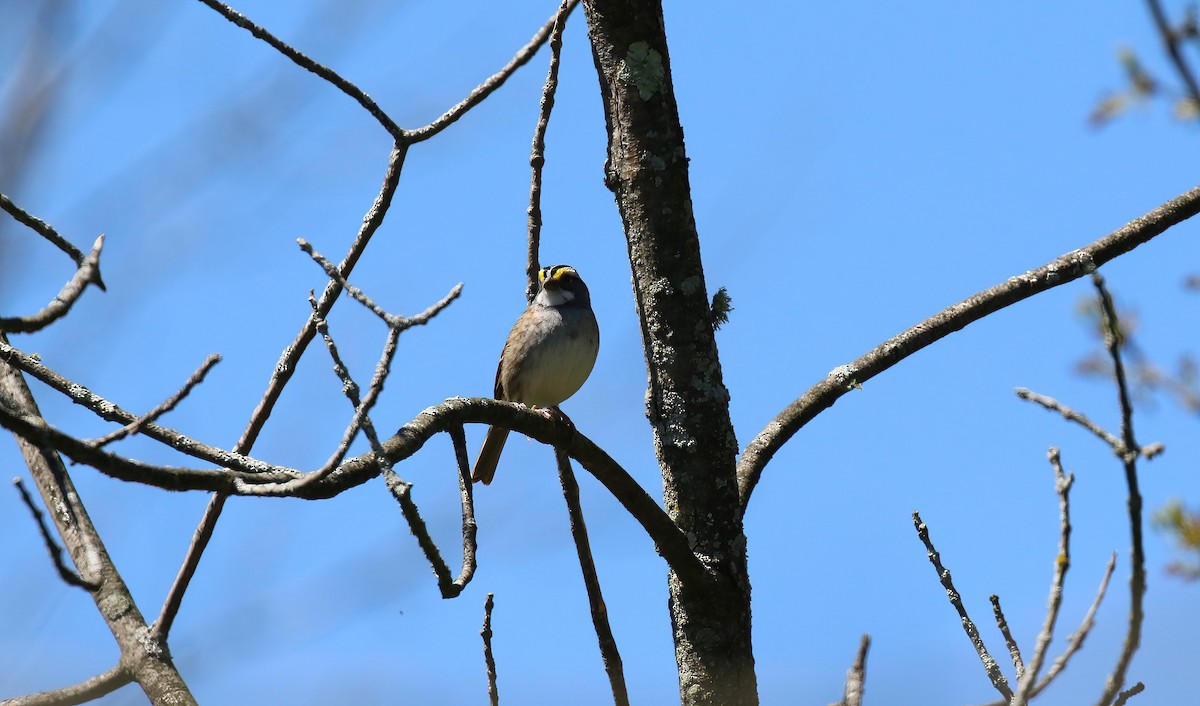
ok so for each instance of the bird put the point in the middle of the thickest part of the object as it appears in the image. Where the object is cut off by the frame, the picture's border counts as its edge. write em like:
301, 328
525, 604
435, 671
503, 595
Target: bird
547, 357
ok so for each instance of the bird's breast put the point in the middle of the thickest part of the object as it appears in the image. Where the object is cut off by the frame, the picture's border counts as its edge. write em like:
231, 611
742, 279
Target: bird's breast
557, 356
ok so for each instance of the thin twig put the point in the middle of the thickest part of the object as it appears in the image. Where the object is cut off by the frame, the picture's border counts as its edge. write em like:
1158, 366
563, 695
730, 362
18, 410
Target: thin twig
111, 412
308, 64
281, 374
171, 402
466, 491
1013, 650
360, 419
401, 322
87, 690
537, 155
1128, 693
69, 576
1072, 416
200, 539
87, 273
989, 664
488, 660
856, 677
1061, 270
362, 407
1074, 640
286, 366
486, 88
400, 489
609, 653
1062, 486
1137, 558
43, 229
1170, 39
146, 658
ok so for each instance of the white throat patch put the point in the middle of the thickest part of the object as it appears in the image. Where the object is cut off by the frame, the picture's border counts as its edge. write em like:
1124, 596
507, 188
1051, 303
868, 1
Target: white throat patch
554, 297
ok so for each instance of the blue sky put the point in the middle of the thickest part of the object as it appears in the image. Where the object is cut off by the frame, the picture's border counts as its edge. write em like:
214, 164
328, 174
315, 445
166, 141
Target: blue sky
855, 168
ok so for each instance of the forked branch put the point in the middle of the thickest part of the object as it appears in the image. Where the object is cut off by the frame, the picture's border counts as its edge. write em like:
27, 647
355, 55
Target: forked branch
989, 663
87, 272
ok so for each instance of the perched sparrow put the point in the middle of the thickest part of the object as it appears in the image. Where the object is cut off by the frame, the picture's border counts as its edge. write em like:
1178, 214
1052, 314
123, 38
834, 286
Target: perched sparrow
547, 357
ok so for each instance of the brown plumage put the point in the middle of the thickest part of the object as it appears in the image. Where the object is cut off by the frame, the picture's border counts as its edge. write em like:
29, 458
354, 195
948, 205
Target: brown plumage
547, 357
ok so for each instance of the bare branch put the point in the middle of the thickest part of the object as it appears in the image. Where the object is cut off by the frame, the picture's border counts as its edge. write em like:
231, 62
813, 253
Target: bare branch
88, 273
671, 544
171, 402
286, 366
362, 407
398, 487
1062, 486
537, 156
1075, 640
361, 297
111, 412
1171, 41
360, 420
200, 539
449, 587
1072, 416
308, 64
43, 229
856, 677
486, 88
1137, 557
489, 661
1066, 268
68, 575
401, 490
145, 658
282, 373
989, 664
1129, 693
609, 653
1013, 650
88, 690
466, 490
34, 428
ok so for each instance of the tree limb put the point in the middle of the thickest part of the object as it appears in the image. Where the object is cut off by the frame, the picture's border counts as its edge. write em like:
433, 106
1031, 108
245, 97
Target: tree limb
83, 692
145, 659
270, 480
841, 380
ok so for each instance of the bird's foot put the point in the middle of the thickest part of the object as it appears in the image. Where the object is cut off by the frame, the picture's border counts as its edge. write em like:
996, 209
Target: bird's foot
554, 413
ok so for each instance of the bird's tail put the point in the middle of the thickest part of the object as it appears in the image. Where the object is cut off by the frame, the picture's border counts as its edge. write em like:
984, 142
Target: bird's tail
489, 455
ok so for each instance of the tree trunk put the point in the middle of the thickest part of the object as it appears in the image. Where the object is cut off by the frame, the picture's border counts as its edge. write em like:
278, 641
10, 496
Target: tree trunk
687, 403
